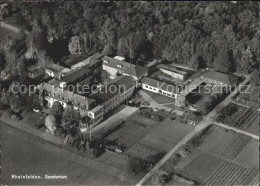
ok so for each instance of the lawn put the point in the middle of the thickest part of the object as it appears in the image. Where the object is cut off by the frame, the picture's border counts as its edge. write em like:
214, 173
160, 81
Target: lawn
166, 135
24, 154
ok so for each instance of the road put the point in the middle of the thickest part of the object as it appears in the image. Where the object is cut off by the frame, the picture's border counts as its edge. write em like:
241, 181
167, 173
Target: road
209, 119
25, 154
237, 130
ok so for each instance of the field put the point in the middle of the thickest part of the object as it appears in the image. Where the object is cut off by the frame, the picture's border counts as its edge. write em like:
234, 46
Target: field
24, 154
222, 157
241, 117
144, 137
232, 174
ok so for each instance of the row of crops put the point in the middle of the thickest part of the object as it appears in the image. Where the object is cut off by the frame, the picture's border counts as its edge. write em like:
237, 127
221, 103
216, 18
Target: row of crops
241, 118
231, 174
235, 147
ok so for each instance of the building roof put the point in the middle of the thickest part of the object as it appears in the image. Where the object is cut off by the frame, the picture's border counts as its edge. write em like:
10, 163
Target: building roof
76, 74
136, 71
115, 63
113, 88
127, 68
97, 56
172, 69
228, 79
33, 68
64, 95
125, 81
159, 84
71, 60
55, 67
105, 93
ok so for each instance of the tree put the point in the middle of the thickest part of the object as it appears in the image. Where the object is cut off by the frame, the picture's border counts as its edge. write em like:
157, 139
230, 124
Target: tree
138, 165
43, 59
189, 116
246, 61
21, 69
222, 62
57, 110
15, 102
5, 98
74, 45
255, 77
50, 123
70, 119
36, 104
109, 50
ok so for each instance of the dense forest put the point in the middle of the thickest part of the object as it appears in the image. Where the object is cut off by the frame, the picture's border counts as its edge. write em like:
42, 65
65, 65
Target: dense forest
223, 35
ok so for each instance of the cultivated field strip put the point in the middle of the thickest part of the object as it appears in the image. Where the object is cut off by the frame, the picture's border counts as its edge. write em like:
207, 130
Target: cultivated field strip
235, 146
241, 119
249, 177
227, 174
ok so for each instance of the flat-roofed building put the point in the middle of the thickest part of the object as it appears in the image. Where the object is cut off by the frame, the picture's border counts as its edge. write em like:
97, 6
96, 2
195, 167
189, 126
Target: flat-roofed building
159, 87
174, 72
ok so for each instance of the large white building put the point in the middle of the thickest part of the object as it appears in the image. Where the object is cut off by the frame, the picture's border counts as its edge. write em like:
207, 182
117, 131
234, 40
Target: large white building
159, 87
85, 105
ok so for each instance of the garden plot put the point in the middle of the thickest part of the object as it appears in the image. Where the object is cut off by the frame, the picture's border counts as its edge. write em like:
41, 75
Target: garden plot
249, 156
201, 167
217, 140
231, 174
240, 117
235, 146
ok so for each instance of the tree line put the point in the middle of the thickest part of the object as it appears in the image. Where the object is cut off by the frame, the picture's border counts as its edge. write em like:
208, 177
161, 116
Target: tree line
191, 33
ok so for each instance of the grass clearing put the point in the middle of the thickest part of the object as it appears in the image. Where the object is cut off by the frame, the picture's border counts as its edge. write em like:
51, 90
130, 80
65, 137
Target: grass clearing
167, 134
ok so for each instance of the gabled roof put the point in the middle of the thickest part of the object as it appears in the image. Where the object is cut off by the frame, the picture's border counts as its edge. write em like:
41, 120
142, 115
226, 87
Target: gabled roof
228, 79
64, 95
136, 71
159, 84
125, 81
127, 68
115, 63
